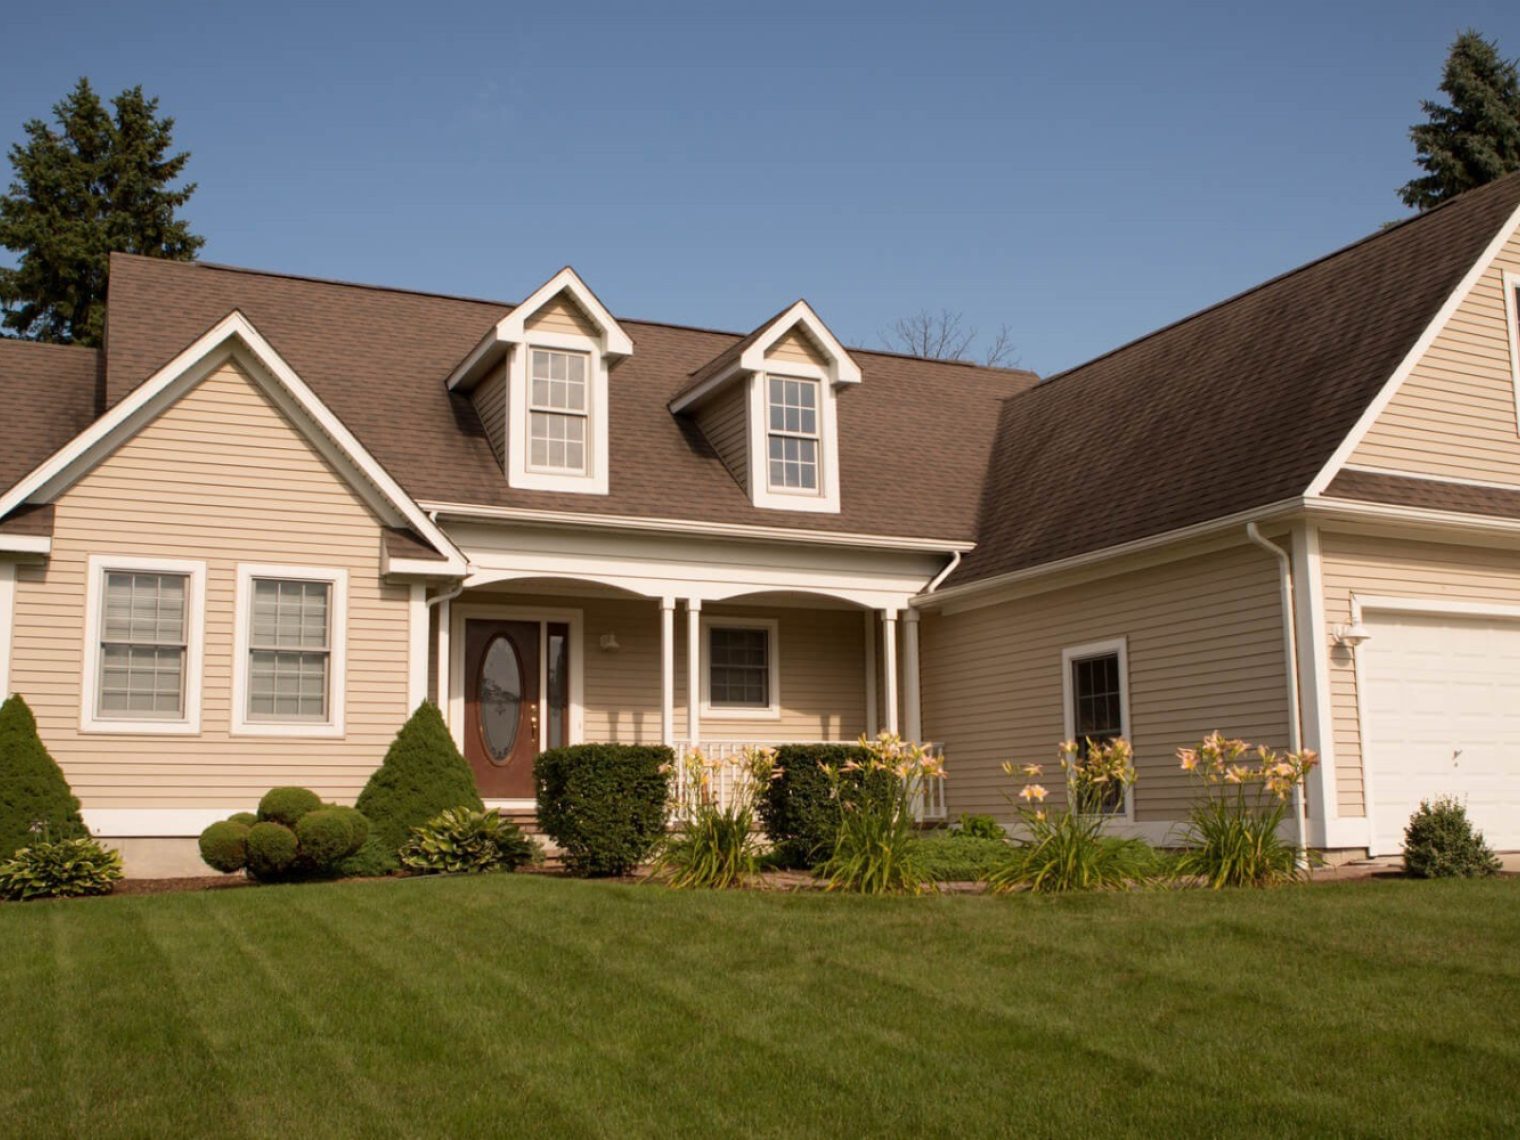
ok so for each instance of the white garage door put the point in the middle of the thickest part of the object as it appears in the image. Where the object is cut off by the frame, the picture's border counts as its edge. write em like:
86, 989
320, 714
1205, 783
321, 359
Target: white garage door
1442, 709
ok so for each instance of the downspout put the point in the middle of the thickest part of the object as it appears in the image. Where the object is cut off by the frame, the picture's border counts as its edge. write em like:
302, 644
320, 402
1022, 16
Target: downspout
934, 583
1290, 641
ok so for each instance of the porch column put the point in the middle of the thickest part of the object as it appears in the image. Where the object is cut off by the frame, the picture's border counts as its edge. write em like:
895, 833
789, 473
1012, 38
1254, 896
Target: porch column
913, 727
667, 671
445, 698
417, 647
889, 665
871, 723
693, 670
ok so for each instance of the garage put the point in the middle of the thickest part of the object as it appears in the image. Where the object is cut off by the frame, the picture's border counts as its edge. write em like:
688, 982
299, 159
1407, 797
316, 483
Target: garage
1441, 709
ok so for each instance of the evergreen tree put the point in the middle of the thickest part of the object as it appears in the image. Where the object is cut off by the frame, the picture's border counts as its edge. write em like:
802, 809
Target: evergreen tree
1477, 138
97, 184
32, 787
422, 775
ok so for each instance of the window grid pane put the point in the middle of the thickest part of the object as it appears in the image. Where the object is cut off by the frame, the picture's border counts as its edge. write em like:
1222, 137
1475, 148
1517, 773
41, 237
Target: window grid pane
558, 381
557, 440
739, 668
793, 443
289, 643
1098, 712
142, 647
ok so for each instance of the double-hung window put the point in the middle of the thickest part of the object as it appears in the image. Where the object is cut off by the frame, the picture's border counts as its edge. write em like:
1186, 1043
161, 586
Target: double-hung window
1096, 685
558, 411
741, 677
792, 434
289, 644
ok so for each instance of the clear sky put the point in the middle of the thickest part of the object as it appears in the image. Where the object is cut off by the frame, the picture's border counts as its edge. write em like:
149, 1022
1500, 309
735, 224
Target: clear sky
1082, 171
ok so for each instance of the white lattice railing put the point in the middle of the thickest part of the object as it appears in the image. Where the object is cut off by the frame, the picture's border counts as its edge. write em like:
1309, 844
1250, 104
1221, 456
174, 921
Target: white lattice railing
928, 796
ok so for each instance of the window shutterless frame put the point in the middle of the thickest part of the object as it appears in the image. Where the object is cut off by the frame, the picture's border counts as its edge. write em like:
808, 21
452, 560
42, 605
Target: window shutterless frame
187, 718
559, 424
246, 722
1116, 649
1512, 320
771, 710
793, 434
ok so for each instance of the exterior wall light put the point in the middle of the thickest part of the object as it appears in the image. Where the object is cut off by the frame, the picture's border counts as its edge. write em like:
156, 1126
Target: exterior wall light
1350, 636
610, 643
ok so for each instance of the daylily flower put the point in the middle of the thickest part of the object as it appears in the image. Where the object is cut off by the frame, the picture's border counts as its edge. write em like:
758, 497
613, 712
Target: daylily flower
1033, 792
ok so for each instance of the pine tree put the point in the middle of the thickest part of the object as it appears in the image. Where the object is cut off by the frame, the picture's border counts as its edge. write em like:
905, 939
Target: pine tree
422, 775
97, 184
32, 787
1477, 138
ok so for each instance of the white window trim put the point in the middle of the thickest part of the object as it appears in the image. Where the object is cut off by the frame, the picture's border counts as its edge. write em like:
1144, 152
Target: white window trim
1118, 646
593, 481
188, 724
772, 630
1512, 323
337, 671
762, 494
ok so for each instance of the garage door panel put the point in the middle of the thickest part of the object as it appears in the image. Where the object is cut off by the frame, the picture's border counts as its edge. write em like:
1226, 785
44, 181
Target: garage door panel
1442, 705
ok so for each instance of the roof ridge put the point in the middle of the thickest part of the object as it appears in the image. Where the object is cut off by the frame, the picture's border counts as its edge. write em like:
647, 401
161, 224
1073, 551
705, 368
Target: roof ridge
1386, 231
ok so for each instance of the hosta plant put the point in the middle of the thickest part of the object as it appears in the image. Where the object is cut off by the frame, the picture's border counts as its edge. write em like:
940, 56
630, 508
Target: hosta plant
876, 851
59, 868
713, 842
1233, 836
1065, 848
462, 841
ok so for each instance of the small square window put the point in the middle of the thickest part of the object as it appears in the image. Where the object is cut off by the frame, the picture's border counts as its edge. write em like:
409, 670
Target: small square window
740, 668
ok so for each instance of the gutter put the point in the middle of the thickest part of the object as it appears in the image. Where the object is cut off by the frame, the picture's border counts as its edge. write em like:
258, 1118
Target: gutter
955, 560
1290, 643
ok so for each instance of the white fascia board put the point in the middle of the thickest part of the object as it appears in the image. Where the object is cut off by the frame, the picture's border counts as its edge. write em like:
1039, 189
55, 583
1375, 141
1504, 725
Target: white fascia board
477, 362
695, 396
842, 367
231, 335
1356, 510
417, 568
26, 544
1413, 356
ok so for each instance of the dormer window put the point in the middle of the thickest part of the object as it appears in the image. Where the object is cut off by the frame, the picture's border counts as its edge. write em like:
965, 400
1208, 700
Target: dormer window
558, 411
793, 441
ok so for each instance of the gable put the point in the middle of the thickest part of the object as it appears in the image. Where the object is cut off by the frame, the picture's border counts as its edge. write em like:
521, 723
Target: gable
796, 347
1455, 414
561, 314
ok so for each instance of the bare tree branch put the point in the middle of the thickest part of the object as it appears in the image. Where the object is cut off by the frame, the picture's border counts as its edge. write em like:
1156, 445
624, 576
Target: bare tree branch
944, 336
1001, 353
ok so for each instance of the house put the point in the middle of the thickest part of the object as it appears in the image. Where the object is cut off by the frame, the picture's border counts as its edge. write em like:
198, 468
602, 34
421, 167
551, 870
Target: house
243, 540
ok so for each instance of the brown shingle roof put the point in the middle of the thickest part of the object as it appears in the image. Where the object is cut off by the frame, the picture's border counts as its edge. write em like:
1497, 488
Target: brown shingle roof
1235, 407
33, 520
914, 435
1428, 494
50, 397
401, 542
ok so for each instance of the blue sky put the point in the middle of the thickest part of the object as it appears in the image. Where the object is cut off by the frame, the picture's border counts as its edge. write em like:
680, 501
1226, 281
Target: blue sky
1083, 172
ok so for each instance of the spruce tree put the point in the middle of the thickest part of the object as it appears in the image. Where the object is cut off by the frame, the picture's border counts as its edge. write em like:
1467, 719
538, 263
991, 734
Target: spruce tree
423, 774
1477, 138
32, 787
99, 183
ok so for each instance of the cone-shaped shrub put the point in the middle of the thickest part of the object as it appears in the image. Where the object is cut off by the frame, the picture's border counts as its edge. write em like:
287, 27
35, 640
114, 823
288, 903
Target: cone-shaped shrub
423, 774
32, 786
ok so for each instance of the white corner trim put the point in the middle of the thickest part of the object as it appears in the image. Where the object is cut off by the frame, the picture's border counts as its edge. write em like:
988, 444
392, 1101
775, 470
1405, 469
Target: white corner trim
841, 369
1119, 646
825, 500
337, 652
7, 625
1512, 320
1315, 709
595, 479
232, 337
772, 630
1391, 386
189, 723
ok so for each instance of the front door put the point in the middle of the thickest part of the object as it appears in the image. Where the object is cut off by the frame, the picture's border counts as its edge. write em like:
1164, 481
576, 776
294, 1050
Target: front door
501, 668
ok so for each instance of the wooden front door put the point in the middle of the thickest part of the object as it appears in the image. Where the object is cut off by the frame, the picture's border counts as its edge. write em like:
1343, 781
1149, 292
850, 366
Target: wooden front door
501, 669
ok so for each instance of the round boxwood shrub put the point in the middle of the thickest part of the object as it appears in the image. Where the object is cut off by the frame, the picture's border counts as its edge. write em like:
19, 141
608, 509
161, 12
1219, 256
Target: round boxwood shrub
287, 805
422, 775
272, 850
32, 787
799, 813
357, 823
1440, 842
246, 818
326, 837
603, 804
224, 845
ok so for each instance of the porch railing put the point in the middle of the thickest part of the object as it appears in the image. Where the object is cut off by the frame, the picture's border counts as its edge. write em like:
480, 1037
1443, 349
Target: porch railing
928, 795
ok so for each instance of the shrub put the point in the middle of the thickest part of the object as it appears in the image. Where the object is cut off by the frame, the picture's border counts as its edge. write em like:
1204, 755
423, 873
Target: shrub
246, 818
287, 805
959, 857
272, 850
875, 851
979, 827
1232, 836
799, 810
1441, 843
603, 804
326, 837
713, 843
423, 774
464, 841
59, 868
1065, 848
32, 787
224, 845
373, 860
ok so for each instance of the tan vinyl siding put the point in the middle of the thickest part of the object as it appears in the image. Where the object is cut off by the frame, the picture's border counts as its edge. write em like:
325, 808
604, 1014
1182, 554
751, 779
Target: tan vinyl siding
221, 477
1205, 650
796, 346
724, 420
822, 681
490, 400
1455, 413
1357, 564
562, 315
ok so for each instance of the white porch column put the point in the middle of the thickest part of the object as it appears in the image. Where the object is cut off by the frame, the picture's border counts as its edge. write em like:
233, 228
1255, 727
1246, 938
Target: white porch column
445, 698
889, 665
7, 612
872, 727
913, 727
693, 670
417, 647
667, 671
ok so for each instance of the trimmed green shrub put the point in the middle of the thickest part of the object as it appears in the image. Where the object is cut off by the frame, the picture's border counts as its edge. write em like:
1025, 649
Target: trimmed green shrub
326, 837
246, 818
958, 857
357, 823
224, 845
603, 804
423, 774
373, 860
272, 850
1440, 842
32, 787
287, 805
979, 827
62, 868
798, 809
463, 841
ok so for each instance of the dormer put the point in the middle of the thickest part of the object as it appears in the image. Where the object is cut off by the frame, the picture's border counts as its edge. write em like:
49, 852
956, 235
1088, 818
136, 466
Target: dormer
538, 380
768, 406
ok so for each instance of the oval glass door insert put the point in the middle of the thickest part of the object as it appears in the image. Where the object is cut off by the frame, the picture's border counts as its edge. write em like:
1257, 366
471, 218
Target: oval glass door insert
500, 701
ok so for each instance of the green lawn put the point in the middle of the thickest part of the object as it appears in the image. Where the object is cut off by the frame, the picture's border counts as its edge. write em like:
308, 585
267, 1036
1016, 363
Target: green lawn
530, 1005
